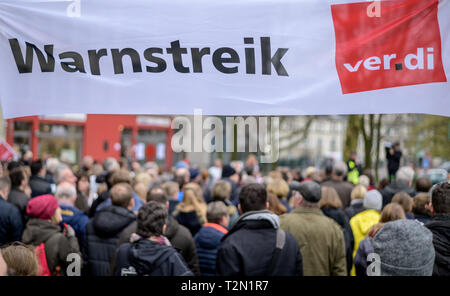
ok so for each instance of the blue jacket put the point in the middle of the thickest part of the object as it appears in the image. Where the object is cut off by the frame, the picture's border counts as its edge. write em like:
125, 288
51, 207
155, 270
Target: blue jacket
207, 241
75, 218
11, 226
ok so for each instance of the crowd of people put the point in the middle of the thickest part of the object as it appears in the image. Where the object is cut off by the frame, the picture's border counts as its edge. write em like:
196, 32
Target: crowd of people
125, 219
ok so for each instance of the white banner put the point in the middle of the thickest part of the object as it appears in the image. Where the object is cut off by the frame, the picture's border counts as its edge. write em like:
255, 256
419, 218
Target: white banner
226, 57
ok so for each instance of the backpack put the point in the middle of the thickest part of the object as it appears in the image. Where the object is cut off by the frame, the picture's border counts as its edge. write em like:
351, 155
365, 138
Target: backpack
279, 245
42, 260
44, 270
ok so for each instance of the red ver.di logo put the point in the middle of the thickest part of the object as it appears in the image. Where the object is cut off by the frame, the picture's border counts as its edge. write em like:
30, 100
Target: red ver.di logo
400, 47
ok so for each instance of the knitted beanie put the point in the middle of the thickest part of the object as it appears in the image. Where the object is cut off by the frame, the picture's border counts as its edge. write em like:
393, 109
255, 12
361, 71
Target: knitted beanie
405, 248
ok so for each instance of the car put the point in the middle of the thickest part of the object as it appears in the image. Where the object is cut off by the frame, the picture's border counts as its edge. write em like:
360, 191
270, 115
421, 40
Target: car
435, 175
446, 166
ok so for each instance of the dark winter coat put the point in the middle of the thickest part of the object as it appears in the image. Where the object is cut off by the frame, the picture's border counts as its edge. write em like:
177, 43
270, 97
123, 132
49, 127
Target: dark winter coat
75, 218
190, 220
248, 248
39, 186
341, 219
343, 188
145, 257
207, 241
356, 207
440, 227
11, 225
178, 235
100, 199
395, 187
365, 248
393, 160
102, 234
422, 218
18, 198
57, 245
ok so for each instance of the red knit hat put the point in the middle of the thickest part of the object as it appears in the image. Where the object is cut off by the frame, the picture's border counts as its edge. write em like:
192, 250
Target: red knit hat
42, 207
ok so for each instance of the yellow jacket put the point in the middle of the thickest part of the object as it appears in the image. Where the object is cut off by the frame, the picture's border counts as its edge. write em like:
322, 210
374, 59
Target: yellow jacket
361, 224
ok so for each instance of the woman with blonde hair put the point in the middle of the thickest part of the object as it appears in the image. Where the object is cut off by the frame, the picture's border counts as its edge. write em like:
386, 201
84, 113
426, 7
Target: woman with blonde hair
391, 212
275, 205
191, 212
331, 206
280, 189
356, 204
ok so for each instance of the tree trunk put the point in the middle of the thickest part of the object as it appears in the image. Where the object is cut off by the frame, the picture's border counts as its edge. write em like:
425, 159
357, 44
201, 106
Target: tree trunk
351, 135
377, 153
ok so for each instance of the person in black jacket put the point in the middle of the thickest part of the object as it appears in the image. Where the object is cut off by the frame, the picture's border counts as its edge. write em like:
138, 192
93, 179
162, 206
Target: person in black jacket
255, 245
179, 236
393, 156
11, 226
38, 184
104, 229
440, 227
150, 253
331, 206
17, 195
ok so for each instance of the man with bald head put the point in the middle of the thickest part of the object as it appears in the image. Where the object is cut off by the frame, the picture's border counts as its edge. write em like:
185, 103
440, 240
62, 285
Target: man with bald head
67, 195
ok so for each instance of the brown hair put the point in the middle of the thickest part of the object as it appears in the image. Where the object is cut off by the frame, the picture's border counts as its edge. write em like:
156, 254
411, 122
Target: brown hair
216, 211
392, 212
420, 204
21, 260
403, 199
221, 190
171, 188
275, 205
121, 194
279, 188
330, 198
121, 176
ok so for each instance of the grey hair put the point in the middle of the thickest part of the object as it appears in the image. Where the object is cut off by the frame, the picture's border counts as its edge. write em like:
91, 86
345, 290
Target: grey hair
405, 174
65, 190
110, 164
57, 178
51, 164
340, 168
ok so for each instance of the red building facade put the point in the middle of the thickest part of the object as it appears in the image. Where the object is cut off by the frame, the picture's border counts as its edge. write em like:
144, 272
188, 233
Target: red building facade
73, 136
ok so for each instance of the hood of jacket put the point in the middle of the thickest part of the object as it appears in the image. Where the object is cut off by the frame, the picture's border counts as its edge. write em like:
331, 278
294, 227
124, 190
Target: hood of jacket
110, 221
38, 231
362, 222
146, 256
264, 215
